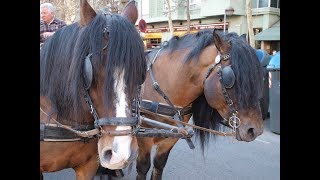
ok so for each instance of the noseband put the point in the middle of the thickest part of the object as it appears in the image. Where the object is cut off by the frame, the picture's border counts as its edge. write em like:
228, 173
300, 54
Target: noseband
227, 80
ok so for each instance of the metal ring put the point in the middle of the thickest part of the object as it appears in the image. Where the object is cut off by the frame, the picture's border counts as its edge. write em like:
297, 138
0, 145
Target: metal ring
234, 121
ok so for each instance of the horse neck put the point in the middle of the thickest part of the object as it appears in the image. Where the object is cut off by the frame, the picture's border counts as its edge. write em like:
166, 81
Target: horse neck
181, 82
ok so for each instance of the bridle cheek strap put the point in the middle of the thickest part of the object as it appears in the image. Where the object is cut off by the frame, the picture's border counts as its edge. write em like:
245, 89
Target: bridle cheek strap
234, 121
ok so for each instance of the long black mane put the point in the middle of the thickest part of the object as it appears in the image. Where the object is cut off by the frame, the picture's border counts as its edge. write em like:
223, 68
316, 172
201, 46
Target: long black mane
245, 64
62, 58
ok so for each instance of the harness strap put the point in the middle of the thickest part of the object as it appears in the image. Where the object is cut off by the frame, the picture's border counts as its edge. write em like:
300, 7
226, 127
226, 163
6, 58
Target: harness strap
54, 132
90, 105
190, 125
123, 121
177, 115
157, 87
178, 118
163, 109
87, 134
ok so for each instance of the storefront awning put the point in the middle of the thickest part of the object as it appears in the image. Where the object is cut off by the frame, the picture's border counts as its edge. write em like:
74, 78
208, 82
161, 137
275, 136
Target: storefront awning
159, 35
270, 34
181, 33
153, 36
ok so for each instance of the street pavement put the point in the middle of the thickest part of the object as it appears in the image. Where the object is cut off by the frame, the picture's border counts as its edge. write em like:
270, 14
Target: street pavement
224, 159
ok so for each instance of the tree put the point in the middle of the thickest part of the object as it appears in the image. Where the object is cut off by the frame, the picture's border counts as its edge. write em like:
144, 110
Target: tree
250, 22
169, 17
188, 16
68, 10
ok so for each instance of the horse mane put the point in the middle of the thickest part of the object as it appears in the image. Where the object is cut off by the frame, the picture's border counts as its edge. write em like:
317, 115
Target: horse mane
245, 64
195, 41
205, 116
62, 58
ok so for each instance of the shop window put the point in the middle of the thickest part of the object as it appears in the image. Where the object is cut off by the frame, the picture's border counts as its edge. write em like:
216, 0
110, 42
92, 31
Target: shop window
263, 3
266, 3
153, 43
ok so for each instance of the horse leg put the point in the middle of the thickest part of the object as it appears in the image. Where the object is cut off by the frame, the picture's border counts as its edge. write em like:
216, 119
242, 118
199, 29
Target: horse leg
88, 170
161, 157
41, 176
143, 159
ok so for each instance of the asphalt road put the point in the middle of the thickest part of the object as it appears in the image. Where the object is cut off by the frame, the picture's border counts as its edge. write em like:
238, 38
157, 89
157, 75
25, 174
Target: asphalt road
225, 159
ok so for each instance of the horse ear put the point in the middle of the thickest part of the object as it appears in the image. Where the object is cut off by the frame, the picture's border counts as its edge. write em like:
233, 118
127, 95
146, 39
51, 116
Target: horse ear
220, 44
131, 12
86, 13
244, 37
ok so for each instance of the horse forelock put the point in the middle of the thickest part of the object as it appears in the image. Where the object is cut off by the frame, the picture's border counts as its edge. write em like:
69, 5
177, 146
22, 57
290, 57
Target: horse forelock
247, 69
126, 53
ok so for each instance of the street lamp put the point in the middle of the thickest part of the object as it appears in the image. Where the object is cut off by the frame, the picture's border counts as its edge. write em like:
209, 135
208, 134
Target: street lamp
228, 11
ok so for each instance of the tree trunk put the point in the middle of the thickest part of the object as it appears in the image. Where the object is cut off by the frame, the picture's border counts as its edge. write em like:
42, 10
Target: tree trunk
169, 18
188, 16
250, 24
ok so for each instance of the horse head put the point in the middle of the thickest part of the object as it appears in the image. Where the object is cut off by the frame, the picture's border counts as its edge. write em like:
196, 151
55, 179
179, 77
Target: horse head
116, 78
233, 86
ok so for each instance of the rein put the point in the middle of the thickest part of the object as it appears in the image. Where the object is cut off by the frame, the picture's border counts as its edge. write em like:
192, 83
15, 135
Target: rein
85, 134
191, 125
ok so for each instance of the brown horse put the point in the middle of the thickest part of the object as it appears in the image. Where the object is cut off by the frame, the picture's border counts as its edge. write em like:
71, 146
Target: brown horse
90, 74
215, 78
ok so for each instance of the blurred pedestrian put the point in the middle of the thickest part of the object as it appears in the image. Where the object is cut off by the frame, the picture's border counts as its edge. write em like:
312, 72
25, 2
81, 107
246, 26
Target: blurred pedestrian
274, 52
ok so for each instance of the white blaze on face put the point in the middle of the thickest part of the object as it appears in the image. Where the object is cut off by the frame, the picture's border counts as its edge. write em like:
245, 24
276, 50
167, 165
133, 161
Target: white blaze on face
121, 143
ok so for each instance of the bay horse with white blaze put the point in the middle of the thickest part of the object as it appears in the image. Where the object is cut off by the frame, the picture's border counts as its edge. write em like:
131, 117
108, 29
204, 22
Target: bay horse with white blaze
90, 73
214, 78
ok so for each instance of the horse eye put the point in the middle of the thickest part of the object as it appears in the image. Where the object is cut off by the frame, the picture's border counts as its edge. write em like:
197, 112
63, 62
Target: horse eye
228, 77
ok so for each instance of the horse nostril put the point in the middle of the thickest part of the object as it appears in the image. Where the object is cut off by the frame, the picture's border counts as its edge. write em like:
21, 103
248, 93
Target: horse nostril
251, 132
107, 154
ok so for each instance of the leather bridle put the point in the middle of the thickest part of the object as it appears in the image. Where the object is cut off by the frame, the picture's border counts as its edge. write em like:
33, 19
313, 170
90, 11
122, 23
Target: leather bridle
233, 121
134, 121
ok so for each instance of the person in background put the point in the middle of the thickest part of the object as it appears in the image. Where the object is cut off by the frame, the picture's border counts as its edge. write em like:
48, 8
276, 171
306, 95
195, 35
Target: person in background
274, 52
49, 24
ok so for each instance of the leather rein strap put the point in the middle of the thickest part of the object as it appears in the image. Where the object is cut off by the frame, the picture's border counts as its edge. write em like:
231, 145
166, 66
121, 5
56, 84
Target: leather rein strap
190, 125
163, 109
85, 134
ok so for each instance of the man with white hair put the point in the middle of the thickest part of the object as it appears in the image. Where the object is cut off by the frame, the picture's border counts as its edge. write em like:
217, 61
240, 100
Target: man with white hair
49, 24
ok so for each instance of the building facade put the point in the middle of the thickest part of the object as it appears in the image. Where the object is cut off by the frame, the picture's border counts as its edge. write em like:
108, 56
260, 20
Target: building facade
206, 14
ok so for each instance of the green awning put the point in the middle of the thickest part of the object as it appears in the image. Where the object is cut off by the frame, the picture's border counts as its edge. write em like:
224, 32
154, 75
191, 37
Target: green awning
270, 34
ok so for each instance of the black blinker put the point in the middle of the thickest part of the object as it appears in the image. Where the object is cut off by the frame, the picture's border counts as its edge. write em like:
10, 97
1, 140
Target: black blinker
88, 72
228, 77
